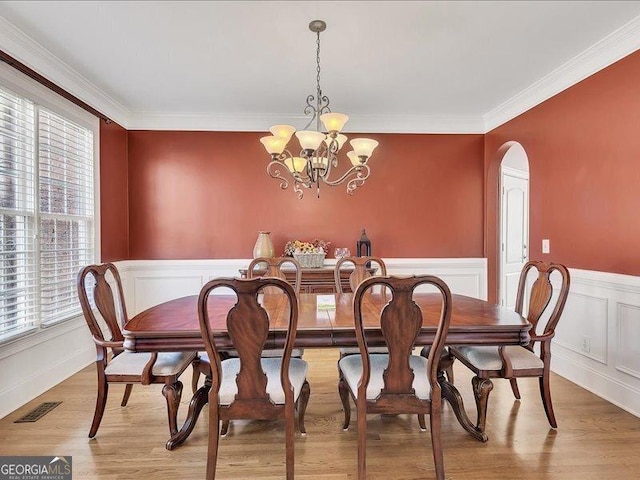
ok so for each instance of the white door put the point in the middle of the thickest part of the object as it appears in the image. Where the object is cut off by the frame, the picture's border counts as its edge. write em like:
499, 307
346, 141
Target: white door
514, 232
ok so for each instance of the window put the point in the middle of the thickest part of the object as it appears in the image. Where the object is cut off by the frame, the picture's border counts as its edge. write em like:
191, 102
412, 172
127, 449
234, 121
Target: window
47, 220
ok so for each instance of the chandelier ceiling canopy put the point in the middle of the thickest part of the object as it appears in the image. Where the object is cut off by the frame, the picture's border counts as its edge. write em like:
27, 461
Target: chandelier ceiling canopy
318, 148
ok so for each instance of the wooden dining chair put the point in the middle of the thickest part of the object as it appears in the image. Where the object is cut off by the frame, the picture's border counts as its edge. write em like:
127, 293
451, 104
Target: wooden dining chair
361, 270
272, 267
252, 386
274, 270
260, 267
516, 361
113, 363
396, 382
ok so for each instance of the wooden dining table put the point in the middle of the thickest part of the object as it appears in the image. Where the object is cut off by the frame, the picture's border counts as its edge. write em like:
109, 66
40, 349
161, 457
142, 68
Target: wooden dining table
173, 326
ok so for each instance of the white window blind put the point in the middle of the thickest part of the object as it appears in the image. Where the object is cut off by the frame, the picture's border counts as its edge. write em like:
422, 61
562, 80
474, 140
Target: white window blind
46, 213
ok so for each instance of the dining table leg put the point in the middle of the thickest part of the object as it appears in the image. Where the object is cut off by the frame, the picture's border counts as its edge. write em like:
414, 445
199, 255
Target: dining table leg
198, 401
451, 394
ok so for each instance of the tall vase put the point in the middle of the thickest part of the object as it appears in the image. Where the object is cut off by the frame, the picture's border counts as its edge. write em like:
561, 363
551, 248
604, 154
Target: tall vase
263, 246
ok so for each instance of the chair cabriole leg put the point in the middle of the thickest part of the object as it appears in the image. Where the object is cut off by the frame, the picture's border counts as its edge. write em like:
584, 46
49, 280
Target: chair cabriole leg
127, 394
436, 443
101, 402
289, 439
545, 392
214, 436
225, 428
422, 422
362, 440
303, 401
172, 392
514, 388
195, 365
481, 389
343, 389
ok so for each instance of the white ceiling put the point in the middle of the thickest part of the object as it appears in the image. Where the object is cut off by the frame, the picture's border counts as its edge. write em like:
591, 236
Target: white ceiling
392, 66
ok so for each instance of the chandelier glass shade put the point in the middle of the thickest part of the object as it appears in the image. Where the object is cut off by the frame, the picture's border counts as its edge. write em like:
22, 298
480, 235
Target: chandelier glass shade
319, 148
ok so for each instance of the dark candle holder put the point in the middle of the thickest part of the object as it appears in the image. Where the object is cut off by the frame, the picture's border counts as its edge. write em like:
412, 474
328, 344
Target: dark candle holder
363, 243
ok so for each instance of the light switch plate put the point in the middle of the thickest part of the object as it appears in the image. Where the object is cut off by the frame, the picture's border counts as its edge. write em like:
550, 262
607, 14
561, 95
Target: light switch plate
545, 245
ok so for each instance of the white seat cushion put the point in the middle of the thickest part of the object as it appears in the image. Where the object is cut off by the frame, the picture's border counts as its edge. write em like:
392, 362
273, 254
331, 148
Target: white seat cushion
351, 368
271, 367
487, 357
167, 363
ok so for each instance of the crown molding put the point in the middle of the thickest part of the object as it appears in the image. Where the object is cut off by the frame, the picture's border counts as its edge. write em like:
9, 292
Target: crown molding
607, 51
612, 48
235, 122
22, 47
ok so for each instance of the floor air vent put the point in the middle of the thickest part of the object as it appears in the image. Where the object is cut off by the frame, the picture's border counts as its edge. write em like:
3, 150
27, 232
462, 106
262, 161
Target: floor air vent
38, 412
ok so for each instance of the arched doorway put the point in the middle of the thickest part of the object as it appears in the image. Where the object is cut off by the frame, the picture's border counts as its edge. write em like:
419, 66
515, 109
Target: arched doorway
513, 221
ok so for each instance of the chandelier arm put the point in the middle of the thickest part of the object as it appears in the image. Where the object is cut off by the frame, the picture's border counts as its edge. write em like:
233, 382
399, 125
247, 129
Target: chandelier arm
274, 171
362, 173
298, 190
333, 153
298, 183
310, 109
358, 181
329, 152
277, 163
324, 105
332, 161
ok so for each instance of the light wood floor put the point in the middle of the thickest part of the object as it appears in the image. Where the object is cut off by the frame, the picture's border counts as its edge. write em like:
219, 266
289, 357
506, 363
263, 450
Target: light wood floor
595, 439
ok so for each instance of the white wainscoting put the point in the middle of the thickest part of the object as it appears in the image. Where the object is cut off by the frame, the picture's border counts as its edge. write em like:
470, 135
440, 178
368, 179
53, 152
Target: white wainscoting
597, 343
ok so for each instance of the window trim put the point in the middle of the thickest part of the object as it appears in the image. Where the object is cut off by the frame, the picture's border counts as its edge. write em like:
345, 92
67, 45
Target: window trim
23, 85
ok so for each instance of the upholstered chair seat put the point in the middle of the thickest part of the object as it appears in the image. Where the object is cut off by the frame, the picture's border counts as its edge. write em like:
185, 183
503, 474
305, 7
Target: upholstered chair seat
167, 363
271, 366
487, 357
351, 369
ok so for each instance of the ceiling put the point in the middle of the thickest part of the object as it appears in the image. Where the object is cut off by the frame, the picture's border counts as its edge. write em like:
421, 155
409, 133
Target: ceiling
391, 66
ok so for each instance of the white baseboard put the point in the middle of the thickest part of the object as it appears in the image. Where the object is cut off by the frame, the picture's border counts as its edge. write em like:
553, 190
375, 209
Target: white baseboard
606, 387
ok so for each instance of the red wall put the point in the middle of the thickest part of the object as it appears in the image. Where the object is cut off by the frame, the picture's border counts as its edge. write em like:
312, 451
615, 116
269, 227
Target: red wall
114, 201
584, 154
206, 195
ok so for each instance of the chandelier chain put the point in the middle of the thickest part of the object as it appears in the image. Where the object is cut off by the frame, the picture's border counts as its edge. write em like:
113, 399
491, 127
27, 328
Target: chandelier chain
318, 66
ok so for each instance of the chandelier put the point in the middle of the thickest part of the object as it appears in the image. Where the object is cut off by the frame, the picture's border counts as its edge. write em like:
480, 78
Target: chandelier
318, 149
